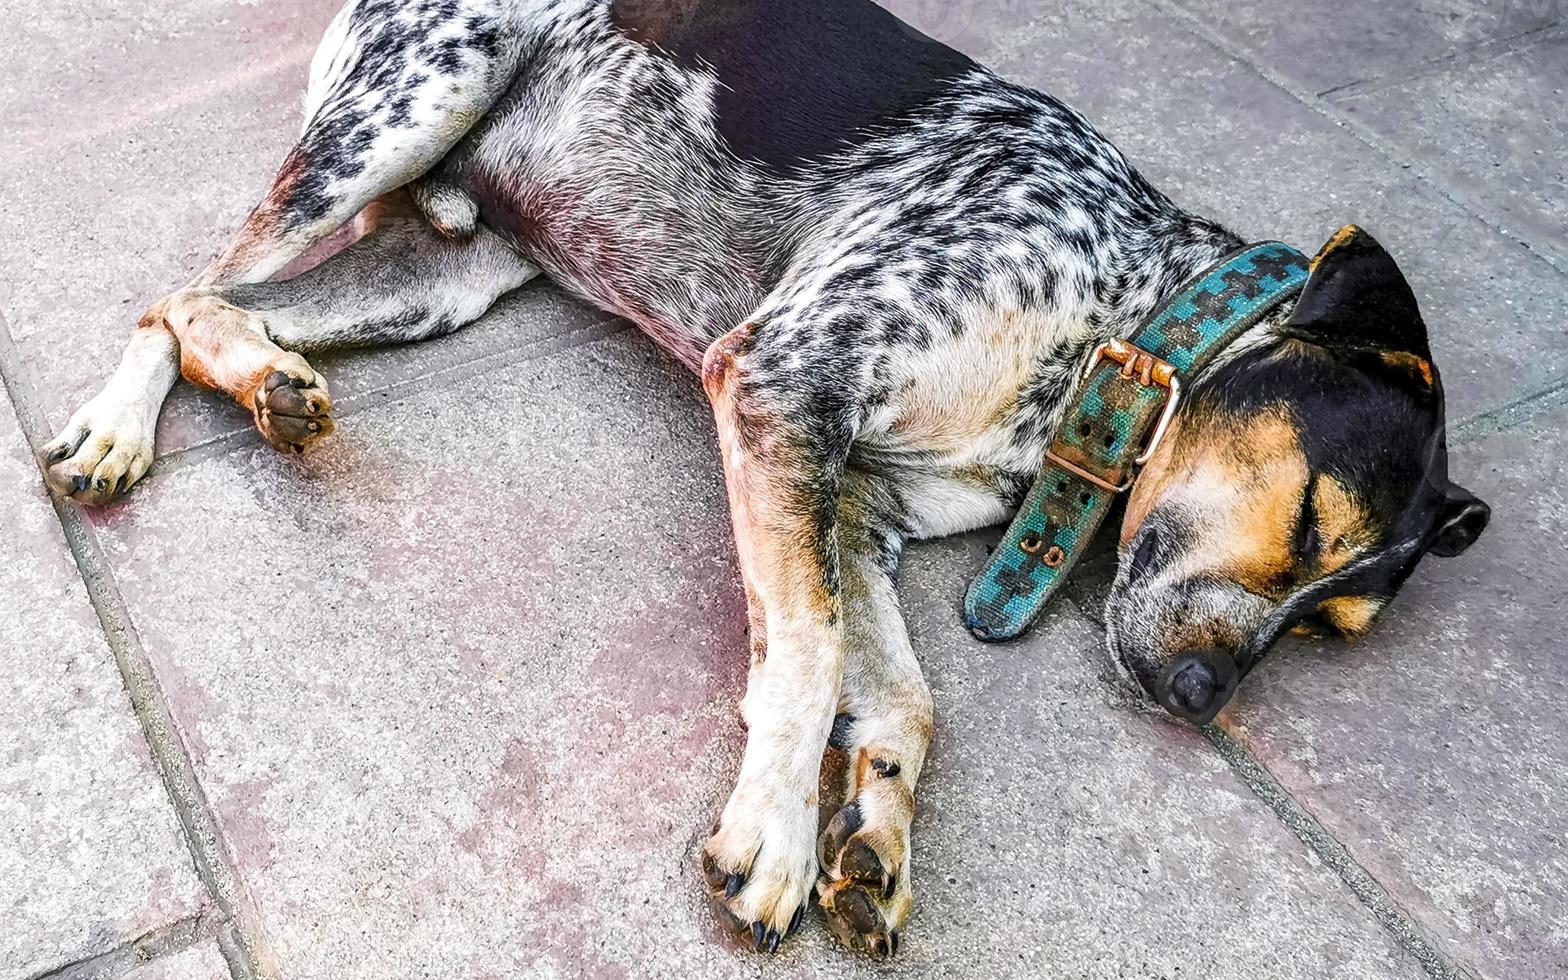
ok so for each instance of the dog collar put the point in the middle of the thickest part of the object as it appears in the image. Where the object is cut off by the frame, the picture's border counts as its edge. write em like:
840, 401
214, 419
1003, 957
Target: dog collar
1129, 394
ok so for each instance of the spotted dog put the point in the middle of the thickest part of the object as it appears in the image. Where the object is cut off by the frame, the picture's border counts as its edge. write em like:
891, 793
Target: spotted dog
888, 265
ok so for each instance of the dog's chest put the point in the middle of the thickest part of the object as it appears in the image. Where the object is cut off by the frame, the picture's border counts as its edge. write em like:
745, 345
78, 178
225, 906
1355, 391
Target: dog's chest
968, 419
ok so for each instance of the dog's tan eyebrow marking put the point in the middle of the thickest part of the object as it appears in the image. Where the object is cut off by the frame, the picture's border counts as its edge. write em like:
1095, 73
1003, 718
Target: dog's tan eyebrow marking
1344, 526
1416, 367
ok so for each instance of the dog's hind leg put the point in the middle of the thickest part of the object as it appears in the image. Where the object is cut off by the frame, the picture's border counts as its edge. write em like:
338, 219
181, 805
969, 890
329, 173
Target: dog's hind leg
864, 854
394, 86
403, 282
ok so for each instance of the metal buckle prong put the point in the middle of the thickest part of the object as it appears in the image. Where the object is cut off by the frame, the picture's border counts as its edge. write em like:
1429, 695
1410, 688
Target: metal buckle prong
1079, 471
1171, 401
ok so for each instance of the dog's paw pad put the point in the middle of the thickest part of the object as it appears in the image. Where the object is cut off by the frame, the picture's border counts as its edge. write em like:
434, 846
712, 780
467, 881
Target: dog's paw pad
292, 407
864, 894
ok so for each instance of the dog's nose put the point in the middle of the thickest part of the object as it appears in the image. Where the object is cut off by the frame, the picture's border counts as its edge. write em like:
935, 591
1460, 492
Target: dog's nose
1197, 685
1193, 688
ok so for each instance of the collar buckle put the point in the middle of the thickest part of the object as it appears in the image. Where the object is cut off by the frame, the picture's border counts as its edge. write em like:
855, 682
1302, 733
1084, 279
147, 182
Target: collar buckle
1051, 531
1148, 370
1143, 367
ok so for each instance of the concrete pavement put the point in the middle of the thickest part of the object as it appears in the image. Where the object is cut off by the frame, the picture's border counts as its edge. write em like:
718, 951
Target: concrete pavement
456, 696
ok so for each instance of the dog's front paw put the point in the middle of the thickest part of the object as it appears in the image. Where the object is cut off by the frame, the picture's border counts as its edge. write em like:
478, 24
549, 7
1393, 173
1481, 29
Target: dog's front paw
760, 865
291, 405
101, 453
864, 853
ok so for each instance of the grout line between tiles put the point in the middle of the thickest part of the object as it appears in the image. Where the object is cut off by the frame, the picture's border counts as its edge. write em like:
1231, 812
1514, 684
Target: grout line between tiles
208, 849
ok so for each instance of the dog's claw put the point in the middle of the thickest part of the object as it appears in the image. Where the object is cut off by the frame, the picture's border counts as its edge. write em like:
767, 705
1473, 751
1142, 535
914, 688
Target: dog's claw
759, 892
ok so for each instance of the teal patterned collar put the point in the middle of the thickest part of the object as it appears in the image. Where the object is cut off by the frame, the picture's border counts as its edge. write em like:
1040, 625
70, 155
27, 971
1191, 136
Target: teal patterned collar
1130, 393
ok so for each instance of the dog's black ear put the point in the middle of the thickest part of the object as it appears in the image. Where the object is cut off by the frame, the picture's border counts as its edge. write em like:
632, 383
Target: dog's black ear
1357, 303
1461, 520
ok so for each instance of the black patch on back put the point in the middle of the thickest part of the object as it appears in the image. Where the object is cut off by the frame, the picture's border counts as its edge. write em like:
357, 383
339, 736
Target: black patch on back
799, 79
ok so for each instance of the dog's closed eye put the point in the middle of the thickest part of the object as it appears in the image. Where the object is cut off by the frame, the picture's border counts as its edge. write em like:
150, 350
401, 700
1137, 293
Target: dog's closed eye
1308, 542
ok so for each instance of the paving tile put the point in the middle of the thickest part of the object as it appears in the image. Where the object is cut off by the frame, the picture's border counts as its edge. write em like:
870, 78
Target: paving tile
106, 210
201, 962
90, 851
466, 704
1497, 129
1324, 44
90, 68
1220, 140
1436, 749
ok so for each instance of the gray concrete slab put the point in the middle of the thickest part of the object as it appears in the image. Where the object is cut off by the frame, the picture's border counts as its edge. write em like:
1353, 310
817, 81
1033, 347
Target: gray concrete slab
1324, 44
1436, 748
120, 179
465, 706
1494, 127
200, 962
91, 856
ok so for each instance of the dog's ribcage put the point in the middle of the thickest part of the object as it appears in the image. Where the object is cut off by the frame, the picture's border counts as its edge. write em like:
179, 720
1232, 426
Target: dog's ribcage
931, 290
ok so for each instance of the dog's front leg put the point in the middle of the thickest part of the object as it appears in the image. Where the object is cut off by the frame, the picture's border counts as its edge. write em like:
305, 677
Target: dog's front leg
108, 443
865, 852
783, 484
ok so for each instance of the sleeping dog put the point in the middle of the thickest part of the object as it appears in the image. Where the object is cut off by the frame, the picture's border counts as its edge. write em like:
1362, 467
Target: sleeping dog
893, 271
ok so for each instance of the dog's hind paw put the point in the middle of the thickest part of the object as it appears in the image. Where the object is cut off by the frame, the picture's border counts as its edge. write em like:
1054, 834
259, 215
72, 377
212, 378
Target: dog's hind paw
865, 891
101, 453
291, 405
759, 868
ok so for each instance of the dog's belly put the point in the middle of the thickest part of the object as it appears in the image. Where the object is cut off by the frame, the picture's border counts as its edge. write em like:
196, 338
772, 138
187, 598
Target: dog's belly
630, 257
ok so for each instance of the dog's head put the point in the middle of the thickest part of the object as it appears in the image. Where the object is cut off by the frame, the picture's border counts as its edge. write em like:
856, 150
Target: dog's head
1300, 484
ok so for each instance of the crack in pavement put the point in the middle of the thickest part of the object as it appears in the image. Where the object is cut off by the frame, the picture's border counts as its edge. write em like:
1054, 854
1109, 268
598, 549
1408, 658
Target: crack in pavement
356, 402
1328, 848
1473, 55
171, 939
1510, 415
208, 849
1394, 152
